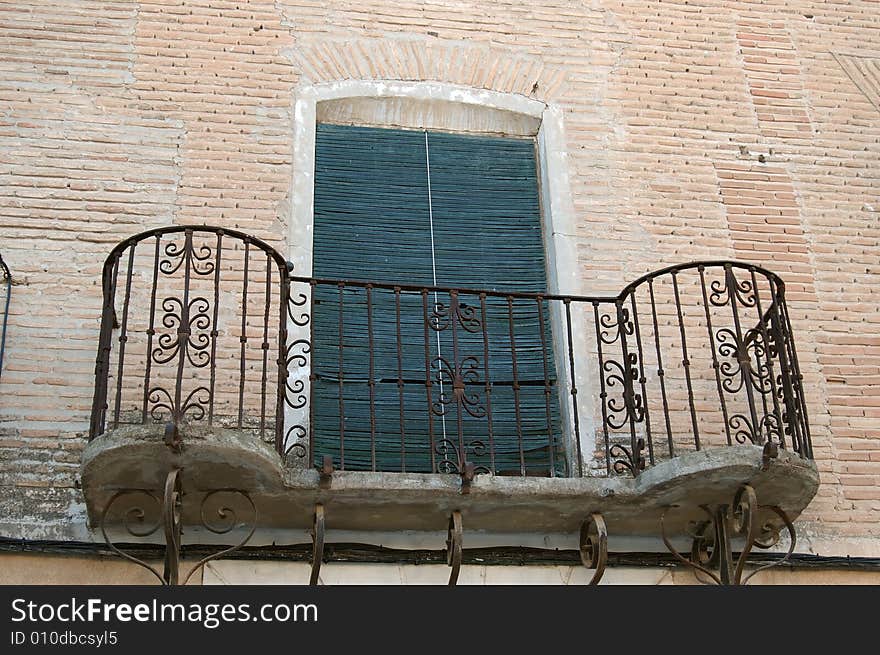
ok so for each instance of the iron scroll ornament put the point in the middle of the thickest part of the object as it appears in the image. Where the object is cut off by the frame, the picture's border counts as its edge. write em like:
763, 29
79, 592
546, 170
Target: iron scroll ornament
168, 318
461, 373
318, 531
711, 548
593, 545
215, 516
454, 540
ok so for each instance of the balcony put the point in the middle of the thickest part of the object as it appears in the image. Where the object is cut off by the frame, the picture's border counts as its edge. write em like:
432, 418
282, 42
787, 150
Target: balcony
232, 395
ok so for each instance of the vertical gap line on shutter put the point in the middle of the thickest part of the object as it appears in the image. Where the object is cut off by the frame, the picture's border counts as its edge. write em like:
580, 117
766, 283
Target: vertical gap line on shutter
434, 269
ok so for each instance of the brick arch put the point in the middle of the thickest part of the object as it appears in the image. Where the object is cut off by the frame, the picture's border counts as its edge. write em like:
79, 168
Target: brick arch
421, 59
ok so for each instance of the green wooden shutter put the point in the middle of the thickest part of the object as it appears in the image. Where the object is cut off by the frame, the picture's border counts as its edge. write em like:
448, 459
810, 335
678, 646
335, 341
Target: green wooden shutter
375, 216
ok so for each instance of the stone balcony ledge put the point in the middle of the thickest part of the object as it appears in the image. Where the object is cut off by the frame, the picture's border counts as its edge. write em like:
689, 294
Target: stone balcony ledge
136, 458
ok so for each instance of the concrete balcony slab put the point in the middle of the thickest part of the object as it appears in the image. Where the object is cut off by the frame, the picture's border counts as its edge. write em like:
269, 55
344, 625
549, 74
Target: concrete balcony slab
211, 459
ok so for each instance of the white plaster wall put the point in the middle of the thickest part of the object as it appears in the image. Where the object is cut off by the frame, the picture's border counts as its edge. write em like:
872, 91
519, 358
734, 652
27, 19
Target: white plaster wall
39, 568
241, 572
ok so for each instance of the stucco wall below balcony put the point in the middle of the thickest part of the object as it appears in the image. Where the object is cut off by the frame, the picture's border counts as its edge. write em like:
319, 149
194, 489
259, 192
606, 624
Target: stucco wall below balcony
24, 569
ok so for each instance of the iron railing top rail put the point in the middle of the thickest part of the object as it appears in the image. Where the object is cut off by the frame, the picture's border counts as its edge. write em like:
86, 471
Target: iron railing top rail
526, 295
709, 263
121, 247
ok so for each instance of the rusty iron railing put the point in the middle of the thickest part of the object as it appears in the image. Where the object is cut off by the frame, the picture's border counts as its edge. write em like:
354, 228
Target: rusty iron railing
193, 330
6, 281
208, 326
689, 357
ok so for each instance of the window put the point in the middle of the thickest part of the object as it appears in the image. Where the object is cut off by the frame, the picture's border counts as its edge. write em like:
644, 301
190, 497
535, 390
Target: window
419, 209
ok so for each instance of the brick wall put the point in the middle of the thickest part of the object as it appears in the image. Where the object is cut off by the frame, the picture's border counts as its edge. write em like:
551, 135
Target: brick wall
747, 130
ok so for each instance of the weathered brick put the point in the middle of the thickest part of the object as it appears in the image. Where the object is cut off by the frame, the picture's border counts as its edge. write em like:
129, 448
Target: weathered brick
117, 117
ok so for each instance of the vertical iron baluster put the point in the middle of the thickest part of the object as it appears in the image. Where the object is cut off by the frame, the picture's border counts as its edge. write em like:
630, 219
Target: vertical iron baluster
313, 377
151, 331
603, 395
6, 277
341, 286
488, 381
123, 335
457, 381
281, 362
547, 390
660, 372
642, 379
428, 381
265, 345
400, 381
102, 361
519, 434
371, 379
574, 403
243, 337
768, 357
183, 331
715, 365
628, 390
786, 369
757, 373
214, 331
803, 423
685, 361
743, 360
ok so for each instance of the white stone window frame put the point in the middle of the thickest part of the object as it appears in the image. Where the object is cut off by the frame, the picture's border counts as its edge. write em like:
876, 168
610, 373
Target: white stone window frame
447, 107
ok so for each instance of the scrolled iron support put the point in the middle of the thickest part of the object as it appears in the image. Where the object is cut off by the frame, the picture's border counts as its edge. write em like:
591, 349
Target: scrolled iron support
453, 546
135, 514
770, 536
593, 546
744, 519
317, 544
169, 511
711, 547
171, 519
695, 562
228, 521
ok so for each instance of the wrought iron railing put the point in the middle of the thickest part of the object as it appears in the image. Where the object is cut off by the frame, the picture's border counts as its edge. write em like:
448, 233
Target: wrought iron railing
208, 326
689, 357
6, 291
193, 331
709, 348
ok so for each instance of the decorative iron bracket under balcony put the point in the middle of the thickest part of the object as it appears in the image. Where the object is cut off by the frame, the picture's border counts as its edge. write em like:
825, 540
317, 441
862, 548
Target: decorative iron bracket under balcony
233, 396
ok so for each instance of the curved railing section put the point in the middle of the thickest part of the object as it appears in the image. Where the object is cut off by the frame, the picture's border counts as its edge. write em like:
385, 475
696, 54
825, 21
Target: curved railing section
701, 355
193, 331
205, 326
